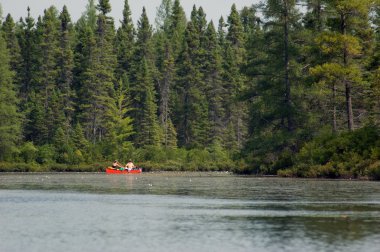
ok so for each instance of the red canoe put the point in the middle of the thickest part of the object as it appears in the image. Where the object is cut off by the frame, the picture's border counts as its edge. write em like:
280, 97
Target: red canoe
110, 170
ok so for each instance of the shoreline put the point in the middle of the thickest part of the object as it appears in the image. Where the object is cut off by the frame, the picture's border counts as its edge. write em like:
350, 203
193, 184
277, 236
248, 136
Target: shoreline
182, 173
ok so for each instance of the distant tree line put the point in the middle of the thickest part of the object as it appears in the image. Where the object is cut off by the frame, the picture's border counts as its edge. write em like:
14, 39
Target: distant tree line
269, 89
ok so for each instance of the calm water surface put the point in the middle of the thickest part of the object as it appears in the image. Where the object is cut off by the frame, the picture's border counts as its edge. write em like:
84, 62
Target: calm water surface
186, 212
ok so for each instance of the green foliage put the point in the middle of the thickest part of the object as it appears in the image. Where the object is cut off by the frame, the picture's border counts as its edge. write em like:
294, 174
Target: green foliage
271, 91
10, 36
28, 152
98, 84
155, 158
124, 42
10, 119
104, 6
350, 154
374, 171
46, 154
122, 127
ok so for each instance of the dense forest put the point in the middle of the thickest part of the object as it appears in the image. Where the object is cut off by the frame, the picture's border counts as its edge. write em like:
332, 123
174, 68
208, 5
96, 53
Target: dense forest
287, 87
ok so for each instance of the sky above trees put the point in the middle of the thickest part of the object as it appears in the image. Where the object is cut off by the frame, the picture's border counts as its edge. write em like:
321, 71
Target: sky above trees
213, 8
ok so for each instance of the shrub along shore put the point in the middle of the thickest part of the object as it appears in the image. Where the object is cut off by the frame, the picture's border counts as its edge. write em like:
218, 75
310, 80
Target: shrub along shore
348, 155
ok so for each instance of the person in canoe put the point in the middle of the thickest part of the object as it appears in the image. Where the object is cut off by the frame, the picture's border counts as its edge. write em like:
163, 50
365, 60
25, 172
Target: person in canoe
130, 165
116, 165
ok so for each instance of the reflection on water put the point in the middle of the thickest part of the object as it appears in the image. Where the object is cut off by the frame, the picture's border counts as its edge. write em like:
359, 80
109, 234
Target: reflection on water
186, 212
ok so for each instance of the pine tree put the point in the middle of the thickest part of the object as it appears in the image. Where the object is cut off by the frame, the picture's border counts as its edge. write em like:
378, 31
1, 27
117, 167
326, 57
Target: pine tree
142, 87
222, 34
84, 47
79, 140
10, 123
98, 83
49, 47
27, 41
167, 70
168, 40
45, 49
342, 46
236, 111
214, 83
177, 26
374, 69
122, 128
65, 66
164, 11
144, 47
124, 43
36, 130
149, 132
316, 16
9, 33
275, 106
90, 17
191, 108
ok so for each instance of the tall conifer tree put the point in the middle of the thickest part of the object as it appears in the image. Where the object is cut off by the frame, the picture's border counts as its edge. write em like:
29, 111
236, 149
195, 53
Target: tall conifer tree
143, 89
10, 36
65, 66
10, 123
125, 39
342, 47
275, 106
214, 84
236, 110
98, 85
26, 38
192, 107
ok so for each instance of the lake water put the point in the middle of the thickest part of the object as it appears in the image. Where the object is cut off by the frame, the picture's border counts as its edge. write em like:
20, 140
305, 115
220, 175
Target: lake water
183, 212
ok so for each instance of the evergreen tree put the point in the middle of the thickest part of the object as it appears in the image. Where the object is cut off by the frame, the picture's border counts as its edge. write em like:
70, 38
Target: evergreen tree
168, 40
149, 132
142, 87
315, 18
214, 83
47, 75
167, 70
191, 108
164, 11
125, 43
9, 33
84, 45
98, 83
144, 47
35, 129
90, 16
374, 68
122, 126
342, 47
222, 34
10, 123
65, 68
79, 140
61, 146
275, 121
26, 38
177, 26
236, 110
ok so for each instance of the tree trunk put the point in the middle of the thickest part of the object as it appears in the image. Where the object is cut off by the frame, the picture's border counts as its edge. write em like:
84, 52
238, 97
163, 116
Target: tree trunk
334, 109
287, 67
347, 83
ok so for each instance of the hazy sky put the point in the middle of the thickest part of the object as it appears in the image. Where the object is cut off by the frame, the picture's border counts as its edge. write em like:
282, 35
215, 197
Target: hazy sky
213, 8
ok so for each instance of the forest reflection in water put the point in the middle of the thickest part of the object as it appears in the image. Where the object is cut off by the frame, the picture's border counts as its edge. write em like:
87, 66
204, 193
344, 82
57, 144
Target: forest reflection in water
188, 212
